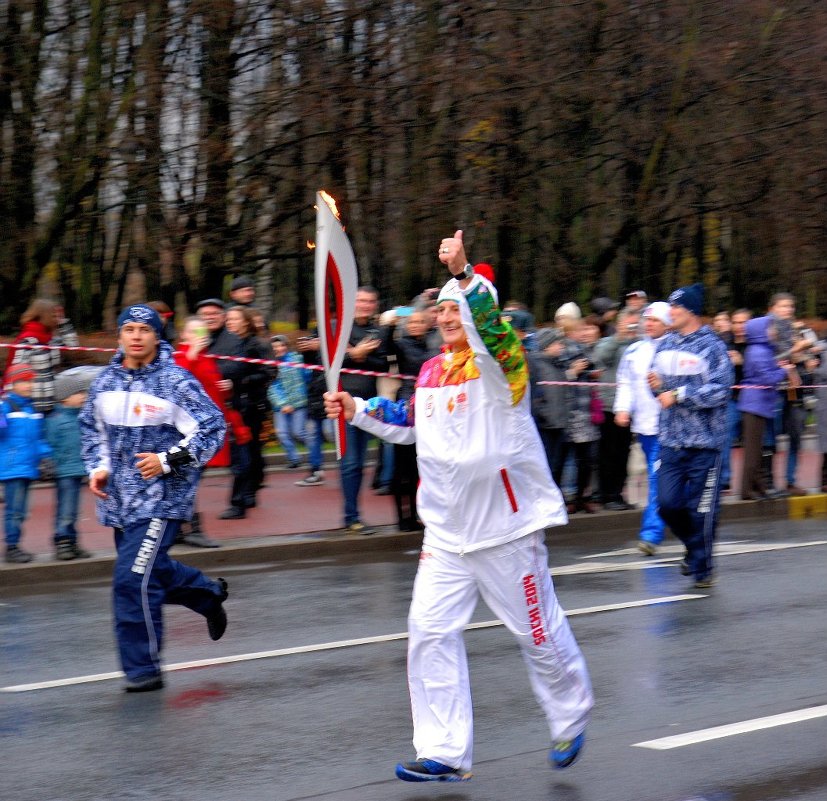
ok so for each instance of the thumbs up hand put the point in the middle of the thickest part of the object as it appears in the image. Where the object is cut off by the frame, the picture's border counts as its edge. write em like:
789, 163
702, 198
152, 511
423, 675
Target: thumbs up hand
452, 253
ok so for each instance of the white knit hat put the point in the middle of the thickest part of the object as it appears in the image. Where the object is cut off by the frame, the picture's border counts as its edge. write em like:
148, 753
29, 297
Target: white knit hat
660, 311
570, 309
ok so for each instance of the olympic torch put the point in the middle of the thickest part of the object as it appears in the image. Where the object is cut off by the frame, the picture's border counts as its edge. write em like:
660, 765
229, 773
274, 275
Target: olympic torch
336, 282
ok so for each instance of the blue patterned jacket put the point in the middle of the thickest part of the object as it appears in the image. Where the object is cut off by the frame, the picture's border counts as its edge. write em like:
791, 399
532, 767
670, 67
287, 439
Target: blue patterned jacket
156, 409
698, 367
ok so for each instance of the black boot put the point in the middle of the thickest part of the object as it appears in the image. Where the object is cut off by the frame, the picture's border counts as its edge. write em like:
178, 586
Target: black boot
195, 537
767, 478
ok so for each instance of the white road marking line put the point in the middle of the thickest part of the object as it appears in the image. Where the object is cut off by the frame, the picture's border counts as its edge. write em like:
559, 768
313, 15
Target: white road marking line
328, 646
732, 729
737, 550
665, 549
610, 567
591, 610
647, 563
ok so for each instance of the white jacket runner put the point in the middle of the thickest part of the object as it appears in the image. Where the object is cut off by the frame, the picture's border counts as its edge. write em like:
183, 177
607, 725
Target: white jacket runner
633, 394
484, 478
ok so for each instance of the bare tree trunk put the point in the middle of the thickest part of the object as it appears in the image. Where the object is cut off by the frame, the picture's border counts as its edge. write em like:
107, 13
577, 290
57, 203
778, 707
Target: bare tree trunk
217, 68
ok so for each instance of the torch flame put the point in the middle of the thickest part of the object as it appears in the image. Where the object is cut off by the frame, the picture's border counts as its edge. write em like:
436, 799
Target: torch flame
331, 202
311, 245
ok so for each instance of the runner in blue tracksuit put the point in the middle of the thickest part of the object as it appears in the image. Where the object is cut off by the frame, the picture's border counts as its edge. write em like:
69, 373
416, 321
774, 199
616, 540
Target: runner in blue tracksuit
692, 377
148, 429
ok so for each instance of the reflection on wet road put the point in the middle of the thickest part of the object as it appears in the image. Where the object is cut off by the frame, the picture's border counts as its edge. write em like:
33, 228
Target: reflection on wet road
714, 696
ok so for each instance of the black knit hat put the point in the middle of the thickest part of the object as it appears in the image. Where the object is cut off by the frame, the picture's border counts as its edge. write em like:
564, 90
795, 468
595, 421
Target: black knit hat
211, 302
547, 336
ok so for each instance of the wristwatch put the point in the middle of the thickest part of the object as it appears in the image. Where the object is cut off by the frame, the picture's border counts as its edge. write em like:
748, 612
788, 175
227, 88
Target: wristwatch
467, 272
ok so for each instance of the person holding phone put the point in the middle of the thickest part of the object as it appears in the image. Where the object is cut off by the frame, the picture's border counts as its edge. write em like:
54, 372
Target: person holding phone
192, 356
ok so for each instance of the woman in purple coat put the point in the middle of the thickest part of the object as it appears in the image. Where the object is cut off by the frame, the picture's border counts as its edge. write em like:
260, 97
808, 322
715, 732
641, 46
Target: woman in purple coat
757, 399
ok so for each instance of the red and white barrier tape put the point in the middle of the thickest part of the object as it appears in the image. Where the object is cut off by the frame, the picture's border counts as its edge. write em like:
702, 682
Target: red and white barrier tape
372, 373
245, 359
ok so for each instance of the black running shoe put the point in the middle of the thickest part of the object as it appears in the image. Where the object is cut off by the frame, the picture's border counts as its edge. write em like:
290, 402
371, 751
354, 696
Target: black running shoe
144, 685
17, 556
217, 619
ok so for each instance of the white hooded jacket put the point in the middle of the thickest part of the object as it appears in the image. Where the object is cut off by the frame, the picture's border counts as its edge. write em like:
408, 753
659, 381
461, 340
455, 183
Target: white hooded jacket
484, 477
633, 394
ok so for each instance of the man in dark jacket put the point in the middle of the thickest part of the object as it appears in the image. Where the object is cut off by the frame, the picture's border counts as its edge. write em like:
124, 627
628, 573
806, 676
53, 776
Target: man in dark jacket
222, 343
412, 352
615, 441
366, 351
736, 346
548, 402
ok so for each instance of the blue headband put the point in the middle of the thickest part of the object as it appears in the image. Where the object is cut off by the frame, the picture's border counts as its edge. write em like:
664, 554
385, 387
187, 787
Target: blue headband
141, 313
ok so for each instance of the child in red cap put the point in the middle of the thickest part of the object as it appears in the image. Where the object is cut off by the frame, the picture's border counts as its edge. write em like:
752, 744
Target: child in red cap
22, 447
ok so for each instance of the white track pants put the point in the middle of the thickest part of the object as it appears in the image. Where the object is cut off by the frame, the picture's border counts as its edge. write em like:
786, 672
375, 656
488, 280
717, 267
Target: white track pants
514, 581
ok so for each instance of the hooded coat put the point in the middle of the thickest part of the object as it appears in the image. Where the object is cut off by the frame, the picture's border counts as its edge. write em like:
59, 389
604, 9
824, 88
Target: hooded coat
22, 440
760, 370
484, 475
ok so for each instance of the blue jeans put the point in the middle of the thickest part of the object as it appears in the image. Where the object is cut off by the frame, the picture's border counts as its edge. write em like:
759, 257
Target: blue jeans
793, 419
352, 467
290, 426
651, 524
688, 493
66, 513
17, 507
315, 440
386, 476
733, 434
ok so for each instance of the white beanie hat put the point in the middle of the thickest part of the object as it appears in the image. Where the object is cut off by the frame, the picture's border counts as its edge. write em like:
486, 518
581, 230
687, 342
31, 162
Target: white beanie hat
660, 311
570, 309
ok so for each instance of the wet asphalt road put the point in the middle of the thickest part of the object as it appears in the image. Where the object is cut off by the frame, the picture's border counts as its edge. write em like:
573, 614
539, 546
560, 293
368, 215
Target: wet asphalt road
301, 707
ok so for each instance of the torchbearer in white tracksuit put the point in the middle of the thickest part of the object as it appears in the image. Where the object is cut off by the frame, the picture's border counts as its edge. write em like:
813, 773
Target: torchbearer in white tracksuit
485, 496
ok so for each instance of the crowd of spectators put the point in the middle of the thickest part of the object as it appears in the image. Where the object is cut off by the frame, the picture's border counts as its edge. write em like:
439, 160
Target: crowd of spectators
589, 399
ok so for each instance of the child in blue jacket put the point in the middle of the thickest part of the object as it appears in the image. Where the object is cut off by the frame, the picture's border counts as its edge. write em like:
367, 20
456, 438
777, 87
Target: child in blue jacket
63, 436
22, 447
288, 398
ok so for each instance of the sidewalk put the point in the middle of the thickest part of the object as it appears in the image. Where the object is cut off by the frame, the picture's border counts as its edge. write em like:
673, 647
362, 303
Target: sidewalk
293, 522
